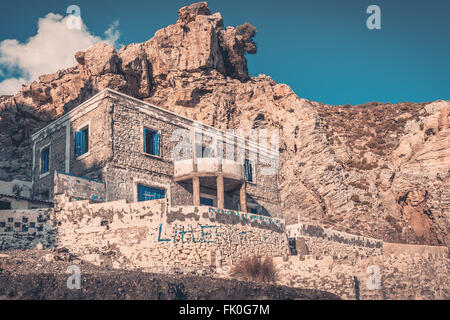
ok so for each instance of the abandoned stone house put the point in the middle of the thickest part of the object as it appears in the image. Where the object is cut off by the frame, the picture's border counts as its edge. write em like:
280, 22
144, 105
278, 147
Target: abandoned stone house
143, 152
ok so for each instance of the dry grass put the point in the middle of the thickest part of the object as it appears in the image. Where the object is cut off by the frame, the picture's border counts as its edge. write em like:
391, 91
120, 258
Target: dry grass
255, 268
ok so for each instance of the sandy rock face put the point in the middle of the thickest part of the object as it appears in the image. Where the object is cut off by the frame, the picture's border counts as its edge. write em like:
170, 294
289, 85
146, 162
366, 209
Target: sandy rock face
380, 170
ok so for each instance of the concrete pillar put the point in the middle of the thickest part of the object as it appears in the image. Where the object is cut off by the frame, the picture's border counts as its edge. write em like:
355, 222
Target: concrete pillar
243, 197
196, 190
220, 191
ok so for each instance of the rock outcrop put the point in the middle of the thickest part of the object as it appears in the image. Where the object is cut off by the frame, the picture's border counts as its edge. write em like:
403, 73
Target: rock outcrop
380, 170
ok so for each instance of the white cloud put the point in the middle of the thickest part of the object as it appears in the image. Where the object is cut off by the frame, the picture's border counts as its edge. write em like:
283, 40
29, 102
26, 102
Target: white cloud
11, 85
52, 48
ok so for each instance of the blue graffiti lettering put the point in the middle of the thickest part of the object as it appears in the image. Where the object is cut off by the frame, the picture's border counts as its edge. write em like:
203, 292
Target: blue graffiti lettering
159, 234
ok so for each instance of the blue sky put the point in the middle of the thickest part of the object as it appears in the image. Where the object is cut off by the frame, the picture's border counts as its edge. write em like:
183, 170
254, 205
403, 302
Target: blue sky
321, 48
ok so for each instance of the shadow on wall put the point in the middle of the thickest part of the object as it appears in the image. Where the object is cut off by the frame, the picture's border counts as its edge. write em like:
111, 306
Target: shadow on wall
262, 211
27, 229
17, 122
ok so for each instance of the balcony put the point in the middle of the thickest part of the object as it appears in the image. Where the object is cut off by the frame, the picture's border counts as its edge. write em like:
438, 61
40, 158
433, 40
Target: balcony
208, 167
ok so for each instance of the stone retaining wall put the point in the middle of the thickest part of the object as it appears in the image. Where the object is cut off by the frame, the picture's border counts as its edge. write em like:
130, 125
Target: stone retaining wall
203, 240
350, 266
408, 272
322, 241
152, 236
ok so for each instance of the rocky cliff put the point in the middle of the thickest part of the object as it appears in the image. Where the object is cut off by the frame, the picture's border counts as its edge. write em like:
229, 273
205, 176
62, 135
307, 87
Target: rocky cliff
380, 170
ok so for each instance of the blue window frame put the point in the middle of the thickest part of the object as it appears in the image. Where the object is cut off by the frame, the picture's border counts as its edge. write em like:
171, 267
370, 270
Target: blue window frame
82, 141
148, 193
206, 201
45, 160
151, 142
248, 170
253, 210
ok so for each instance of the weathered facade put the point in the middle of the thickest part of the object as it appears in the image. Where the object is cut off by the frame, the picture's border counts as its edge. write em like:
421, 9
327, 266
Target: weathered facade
142, 152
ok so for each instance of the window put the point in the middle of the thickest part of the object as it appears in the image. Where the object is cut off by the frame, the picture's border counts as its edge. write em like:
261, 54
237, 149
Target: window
202, 151
45, 159
248, 170
206, 201
5, 205
148, 193
82, 141
203, 146
253, 210
151, 142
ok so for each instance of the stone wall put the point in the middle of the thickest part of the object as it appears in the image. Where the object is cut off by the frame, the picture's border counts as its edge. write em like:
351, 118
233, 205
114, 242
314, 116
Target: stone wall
321, 241
79, 188
24, 229
151, 236
43, 183
409, 272
343, 264
60, 136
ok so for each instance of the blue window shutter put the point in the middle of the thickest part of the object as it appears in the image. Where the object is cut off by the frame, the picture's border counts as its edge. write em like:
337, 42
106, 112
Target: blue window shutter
42, 162
147, 193
248, 170
46, 156
141, 193
156, 144
145, 141
82, 143
245, 169
78, 138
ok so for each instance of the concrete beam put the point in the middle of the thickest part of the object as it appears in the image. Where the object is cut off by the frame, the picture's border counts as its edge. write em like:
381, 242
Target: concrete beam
243, 197
196, 190
220, 192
